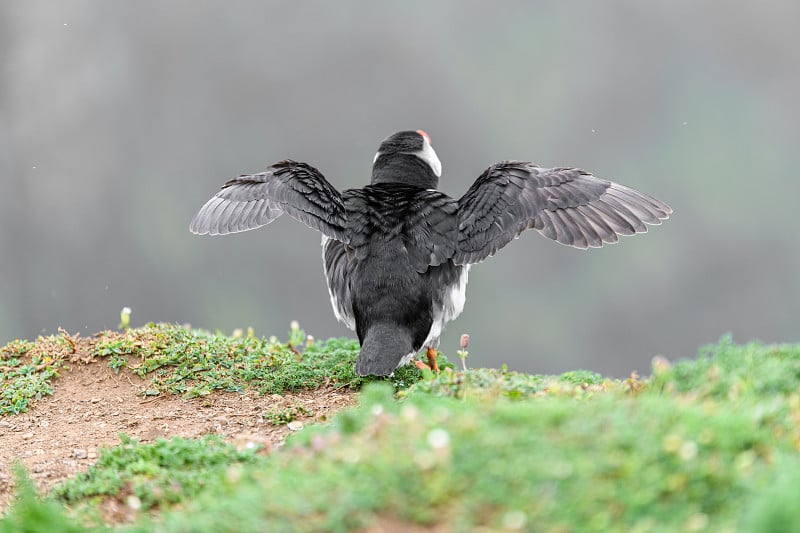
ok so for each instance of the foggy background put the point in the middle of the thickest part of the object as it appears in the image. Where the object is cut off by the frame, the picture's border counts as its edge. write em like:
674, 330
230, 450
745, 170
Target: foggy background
119, 120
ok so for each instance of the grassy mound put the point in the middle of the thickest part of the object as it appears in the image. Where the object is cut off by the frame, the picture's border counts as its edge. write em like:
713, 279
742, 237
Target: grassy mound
704, 445
184, 361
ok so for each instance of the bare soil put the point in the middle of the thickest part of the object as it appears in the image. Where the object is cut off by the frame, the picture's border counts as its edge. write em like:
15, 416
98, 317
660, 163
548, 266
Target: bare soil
61, 434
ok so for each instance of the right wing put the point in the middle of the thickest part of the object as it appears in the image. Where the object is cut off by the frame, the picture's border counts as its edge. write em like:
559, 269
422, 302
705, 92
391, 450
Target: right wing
568, 205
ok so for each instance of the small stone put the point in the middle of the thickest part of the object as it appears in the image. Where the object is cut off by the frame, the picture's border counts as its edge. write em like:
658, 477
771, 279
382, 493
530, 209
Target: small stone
91, 453
295, 425
95, 400
27, 436
79, 453
44, 423
133, 502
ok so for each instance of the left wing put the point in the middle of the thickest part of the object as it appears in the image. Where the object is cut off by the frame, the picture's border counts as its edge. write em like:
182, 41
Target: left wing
254, 200
568, 205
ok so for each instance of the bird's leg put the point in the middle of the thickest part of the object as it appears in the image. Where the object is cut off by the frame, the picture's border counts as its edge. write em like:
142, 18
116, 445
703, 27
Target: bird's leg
432, 353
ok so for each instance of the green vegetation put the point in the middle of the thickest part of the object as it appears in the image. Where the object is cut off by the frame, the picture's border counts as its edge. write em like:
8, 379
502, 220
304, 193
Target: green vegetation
189, 362
159, 474
491, 383
704, 445
194, 362
27, 369
31, 514
278, 417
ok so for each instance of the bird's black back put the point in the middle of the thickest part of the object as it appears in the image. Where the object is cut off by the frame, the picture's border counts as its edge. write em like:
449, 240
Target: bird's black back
399, 235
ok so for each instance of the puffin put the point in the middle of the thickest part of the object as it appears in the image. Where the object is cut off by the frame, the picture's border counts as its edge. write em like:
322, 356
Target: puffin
397, 252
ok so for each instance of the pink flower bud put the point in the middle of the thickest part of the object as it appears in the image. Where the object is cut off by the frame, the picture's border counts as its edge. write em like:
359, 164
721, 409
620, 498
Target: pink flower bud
464, 341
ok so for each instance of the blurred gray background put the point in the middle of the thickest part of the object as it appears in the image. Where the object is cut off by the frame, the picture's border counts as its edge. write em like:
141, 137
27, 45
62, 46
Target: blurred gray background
119, 120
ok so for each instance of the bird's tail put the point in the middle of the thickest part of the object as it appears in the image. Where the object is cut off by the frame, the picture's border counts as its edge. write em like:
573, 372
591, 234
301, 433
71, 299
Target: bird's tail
384, 347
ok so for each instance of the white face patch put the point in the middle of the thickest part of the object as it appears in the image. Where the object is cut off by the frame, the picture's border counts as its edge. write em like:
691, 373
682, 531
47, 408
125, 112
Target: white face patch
428, 154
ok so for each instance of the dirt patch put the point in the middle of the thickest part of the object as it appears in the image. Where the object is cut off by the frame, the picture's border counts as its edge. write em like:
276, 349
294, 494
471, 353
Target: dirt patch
60, 434
388, 524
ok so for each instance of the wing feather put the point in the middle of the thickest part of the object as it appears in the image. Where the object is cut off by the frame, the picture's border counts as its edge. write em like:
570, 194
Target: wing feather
602, 227
254, 200
592, 239
568, 205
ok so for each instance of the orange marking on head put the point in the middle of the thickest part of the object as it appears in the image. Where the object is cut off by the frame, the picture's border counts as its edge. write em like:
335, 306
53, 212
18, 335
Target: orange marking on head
427, 137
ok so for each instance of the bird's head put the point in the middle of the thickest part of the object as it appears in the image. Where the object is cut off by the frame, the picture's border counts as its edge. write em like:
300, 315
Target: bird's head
407, 157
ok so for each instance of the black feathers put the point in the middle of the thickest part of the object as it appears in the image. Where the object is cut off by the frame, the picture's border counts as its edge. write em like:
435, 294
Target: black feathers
382, 349
567, 205
254, 200
401, 239
424, 221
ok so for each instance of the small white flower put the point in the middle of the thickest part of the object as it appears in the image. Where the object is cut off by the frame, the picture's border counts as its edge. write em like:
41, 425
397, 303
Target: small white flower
514, 520
688, 450
438, 438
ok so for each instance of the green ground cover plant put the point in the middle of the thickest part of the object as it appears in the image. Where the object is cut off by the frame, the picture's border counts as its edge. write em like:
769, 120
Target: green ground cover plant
159, 474
708, 444
185, 361
27, 370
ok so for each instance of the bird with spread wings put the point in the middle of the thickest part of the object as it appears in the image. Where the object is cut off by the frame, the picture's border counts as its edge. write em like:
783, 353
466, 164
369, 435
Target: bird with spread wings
397, 252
